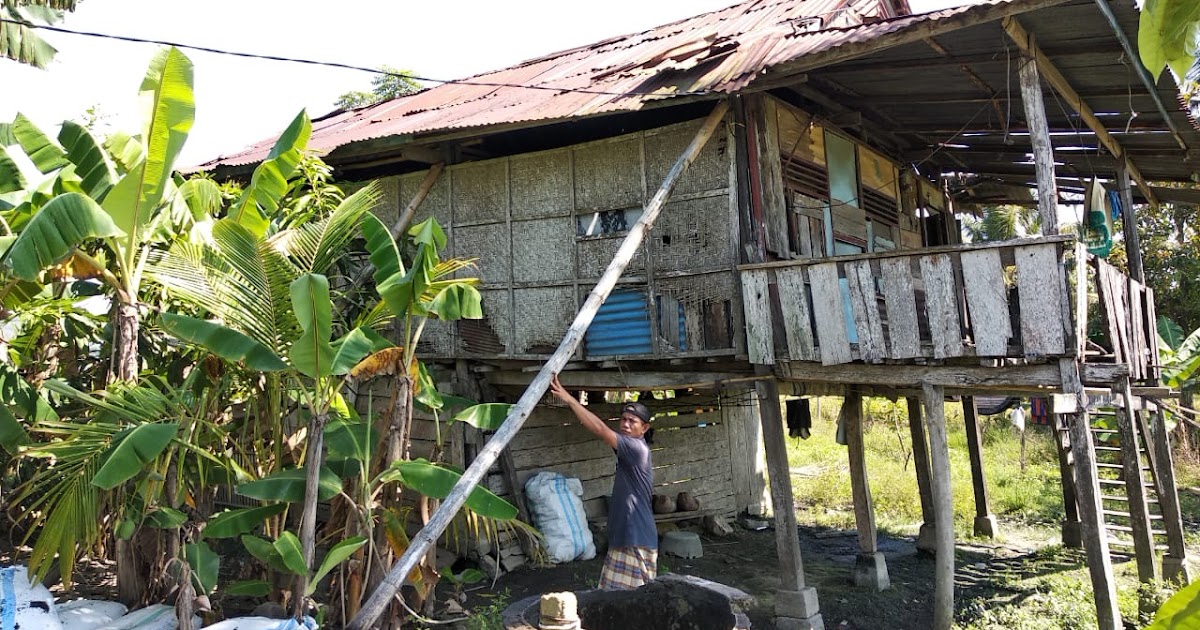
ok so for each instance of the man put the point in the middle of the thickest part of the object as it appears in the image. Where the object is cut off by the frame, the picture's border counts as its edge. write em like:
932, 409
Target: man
632, 558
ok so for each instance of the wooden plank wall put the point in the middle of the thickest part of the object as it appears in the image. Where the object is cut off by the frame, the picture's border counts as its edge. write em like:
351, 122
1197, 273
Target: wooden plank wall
691, 453
1128, 316
936, 303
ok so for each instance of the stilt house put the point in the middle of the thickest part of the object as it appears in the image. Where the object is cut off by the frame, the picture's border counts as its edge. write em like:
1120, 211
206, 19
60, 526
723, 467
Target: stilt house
805, 161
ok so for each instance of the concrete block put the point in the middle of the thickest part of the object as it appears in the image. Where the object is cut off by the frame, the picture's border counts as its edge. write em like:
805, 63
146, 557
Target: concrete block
927, 539
985, 526
1175, 569
801, 604
1072, 534
791, 623
870, 570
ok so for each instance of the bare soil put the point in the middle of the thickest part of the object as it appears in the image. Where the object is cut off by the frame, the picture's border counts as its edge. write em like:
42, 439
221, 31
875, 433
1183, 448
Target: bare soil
747, 560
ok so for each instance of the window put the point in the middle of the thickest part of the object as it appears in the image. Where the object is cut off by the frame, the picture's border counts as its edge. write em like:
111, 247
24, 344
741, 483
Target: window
606, 221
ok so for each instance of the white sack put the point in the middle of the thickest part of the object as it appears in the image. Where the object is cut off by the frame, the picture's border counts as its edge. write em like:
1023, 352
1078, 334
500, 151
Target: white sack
155, 617
263, 623
556, 504
24, 604
87, 614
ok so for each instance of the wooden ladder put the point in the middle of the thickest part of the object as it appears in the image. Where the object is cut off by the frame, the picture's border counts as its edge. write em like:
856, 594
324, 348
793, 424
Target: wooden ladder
1115, 479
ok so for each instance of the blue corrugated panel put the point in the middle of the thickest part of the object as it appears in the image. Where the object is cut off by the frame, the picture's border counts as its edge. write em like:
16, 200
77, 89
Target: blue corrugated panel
622, 326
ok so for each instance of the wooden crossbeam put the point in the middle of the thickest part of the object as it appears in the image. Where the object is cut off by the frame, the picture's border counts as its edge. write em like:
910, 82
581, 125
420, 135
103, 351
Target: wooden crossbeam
1025, 42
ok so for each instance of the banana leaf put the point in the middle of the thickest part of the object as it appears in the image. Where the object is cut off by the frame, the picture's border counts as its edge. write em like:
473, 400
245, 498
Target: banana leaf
288, 546
46, 156
385, 255
349, 440
234, 523
486, 416
248, 588
166, 518
312, 354
11, 179
429, 232
457, 301
437, 482
1180, 612
337, 555
55, 231
269, 182
354, 347
266, 552
95, 173
288, 485
222, 341
132, 450
205, 565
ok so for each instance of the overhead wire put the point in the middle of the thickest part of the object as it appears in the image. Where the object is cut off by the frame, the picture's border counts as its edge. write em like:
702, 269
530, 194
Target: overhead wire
345, 66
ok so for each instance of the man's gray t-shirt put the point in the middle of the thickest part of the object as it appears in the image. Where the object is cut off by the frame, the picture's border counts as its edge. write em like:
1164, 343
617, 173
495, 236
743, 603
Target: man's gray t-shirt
630, 516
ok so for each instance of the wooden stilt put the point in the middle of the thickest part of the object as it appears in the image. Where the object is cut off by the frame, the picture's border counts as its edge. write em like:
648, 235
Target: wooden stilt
795, 603
943, 507
870, 567
1175, 560
920, 450
1095, 543
1071, 533
1135, 485
985, 521
1039, 136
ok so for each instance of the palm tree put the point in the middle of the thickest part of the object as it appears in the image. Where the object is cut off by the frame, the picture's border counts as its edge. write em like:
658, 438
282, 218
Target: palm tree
1002, 223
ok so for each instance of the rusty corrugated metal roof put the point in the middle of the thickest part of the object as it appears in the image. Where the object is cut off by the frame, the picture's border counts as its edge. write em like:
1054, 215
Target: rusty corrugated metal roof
718, 52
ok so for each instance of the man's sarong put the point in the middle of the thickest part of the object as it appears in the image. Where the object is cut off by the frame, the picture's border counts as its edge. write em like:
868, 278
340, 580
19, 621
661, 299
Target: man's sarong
628, 568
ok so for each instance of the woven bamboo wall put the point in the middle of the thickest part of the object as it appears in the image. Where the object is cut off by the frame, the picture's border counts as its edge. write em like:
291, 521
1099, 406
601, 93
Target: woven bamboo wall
525, 219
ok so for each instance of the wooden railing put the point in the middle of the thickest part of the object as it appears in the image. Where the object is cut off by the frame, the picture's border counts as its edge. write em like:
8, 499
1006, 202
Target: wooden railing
1011, 299
1127, 324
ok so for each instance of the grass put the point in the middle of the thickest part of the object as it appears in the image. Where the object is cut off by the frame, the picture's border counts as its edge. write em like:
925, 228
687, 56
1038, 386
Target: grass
1050, 588
821, 484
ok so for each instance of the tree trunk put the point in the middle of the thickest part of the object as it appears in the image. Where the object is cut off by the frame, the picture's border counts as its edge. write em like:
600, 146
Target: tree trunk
308, 516
125, 360
133, 569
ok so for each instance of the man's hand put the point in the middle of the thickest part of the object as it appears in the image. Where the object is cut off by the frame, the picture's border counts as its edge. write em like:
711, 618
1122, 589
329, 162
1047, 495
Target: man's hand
561, 392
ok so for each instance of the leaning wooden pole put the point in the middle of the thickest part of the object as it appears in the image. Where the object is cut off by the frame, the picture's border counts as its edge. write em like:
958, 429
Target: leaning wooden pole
378, 602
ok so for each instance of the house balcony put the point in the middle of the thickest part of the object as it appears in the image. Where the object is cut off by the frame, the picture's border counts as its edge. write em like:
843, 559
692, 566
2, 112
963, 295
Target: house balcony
1001, 304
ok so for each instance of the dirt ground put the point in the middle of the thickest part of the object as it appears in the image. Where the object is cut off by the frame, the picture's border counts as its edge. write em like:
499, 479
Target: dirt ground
747, 560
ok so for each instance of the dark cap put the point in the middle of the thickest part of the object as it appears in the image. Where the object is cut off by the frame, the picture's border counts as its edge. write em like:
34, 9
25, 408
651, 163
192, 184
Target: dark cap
637, 409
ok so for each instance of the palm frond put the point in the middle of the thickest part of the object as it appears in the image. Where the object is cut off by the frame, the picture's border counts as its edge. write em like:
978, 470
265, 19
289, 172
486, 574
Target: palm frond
314, 247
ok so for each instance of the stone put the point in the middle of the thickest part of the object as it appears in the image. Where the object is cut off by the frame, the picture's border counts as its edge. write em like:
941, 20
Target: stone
509, 563
739, 600
682, 544
985, 526
870, 570
801, 604
270, 610
559, 608
717, 526
791, 623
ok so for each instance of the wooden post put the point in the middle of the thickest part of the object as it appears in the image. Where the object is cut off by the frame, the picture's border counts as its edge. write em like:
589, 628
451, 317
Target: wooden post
369, 614
943, 507
1135, 485
870, 568
926, 539
1175, 560
1072, 535
1043, 150
794, 601
1087, 485
1133, 249
985, 521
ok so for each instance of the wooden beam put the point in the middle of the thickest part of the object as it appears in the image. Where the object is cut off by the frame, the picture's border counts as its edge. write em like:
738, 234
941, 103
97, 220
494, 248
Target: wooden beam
1024, 40
1037, 379
1133, 248
616, 380
1087, 487
1175, 561
379, 600
943, 508
1135, 485
985, 521
787, 541
1043, 149
926, 540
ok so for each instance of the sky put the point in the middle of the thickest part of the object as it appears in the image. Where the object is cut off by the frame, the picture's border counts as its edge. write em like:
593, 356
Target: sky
240, 101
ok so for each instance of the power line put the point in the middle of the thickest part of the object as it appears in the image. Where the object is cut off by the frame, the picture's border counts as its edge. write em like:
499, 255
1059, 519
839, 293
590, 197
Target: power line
333, 64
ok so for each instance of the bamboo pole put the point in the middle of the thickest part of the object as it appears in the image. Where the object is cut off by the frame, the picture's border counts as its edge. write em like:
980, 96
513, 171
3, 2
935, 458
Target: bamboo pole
378, 602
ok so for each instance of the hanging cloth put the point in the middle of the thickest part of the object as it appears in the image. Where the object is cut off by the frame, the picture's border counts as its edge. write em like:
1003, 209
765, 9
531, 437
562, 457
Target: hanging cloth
1097, 225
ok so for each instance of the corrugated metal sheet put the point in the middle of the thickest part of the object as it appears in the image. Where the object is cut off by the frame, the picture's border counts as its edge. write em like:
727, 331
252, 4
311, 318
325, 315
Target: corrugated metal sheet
717, 52
621, 326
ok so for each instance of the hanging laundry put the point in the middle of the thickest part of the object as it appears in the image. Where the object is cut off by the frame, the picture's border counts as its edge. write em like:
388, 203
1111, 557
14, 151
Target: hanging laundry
799, 418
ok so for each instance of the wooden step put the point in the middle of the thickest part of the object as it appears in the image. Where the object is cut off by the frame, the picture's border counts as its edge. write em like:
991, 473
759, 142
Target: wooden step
1127, 529
1129, 544
1153, 517
1117, 497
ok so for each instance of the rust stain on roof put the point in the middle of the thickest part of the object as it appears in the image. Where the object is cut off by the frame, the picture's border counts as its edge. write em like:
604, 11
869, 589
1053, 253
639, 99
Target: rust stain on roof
718, 52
